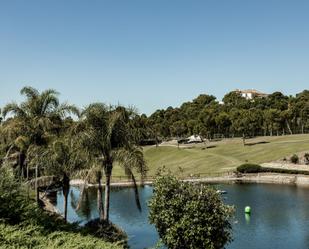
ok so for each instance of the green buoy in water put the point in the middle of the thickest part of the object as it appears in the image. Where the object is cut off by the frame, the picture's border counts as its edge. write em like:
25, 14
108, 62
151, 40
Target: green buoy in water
248, 210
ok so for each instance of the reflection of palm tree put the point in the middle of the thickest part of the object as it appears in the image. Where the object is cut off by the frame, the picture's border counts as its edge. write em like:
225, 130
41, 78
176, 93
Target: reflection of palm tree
109, 137
81, 204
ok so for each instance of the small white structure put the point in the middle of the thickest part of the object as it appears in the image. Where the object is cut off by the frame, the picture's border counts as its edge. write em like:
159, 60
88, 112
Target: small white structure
251, 93
195, 139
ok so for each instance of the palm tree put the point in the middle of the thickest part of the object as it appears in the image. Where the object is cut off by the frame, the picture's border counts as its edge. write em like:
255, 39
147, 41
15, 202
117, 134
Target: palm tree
109, 136
63, 159
34, 122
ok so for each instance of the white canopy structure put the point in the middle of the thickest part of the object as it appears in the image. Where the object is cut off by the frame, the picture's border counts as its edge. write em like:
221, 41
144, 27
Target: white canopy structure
195, 139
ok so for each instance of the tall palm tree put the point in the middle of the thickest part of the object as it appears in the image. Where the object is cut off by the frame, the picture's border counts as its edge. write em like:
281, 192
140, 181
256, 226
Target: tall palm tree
109, 136
35, 121
37, 117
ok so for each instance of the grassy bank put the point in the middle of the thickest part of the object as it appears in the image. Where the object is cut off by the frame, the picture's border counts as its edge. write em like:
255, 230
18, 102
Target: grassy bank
223, 156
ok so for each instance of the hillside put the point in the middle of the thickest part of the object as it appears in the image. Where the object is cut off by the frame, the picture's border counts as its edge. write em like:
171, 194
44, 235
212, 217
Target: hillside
223, 156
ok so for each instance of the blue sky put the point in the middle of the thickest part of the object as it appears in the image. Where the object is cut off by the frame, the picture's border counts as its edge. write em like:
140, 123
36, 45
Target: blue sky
152, 53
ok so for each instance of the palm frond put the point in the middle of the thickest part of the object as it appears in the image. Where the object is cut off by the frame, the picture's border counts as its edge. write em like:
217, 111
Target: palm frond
132, 158
95, 108
65, 108
22, 142
29, 92
13, 108
50, 92
49, 102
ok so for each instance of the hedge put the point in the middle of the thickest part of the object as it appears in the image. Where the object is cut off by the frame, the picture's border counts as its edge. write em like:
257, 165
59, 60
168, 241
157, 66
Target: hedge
249, 168
255, 168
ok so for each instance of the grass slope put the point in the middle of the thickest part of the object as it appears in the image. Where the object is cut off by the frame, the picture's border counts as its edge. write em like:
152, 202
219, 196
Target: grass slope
224, 156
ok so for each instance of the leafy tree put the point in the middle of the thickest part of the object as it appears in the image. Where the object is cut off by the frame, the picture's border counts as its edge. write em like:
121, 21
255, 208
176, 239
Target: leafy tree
187, 215
223, 122
207, 121
304, 116
240, 122
235, 100
178, 129
193, 127
277, 101
273, 120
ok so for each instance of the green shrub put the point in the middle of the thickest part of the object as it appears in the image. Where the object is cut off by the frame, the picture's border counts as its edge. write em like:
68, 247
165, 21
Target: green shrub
258, 169
188, 215
285, 171
249, 168
295, 159
31, 236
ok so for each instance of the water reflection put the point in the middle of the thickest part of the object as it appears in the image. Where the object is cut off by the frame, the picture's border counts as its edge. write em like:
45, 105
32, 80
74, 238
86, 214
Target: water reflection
247, 217
280, 215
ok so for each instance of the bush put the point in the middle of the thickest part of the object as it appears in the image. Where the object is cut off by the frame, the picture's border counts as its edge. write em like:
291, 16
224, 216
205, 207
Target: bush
189, 216
295, 159
107, 231
285, 171
253, 168
249, 168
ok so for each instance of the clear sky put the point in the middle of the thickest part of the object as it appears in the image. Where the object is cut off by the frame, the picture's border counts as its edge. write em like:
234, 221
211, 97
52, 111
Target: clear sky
152, 53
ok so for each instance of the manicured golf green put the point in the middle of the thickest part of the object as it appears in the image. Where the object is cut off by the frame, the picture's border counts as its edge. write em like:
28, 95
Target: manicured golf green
224, 156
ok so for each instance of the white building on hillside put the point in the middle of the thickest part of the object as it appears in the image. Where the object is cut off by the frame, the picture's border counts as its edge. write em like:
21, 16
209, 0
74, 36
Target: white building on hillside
251, 93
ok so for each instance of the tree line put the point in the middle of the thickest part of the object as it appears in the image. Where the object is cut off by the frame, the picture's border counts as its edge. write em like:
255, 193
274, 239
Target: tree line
276, 114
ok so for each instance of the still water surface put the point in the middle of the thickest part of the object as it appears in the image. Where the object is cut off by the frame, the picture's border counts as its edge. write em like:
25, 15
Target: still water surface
280, 217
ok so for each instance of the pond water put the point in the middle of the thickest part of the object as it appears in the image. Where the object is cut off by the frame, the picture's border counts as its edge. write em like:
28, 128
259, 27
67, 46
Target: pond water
280, 215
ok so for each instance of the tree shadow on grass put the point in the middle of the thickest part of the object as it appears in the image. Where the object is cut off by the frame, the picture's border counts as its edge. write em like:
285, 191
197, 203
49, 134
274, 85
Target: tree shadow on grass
256, 143
209, 147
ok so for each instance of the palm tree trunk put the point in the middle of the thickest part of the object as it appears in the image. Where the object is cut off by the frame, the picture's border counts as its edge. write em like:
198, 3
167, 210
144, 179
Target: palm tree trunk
99, 197
66, 190
37, 197
107, 196
27, 174
20, 165
65, 205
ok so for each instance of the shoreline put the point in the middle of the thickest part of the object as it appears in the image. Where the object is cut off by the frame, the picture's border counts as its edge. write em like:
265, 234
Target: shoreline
263, 178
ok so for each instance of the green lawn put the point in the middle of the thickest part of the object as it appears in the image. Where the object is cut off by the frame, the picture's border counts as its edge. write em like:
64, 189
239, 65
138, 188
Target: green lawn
224, 156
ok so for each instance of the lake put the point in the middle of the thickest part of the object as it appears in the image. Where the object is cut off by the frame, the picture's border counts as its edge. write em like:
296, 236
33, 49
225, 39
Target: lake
279, 219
